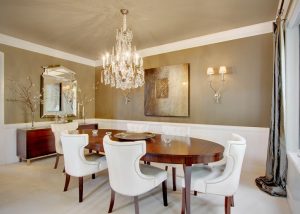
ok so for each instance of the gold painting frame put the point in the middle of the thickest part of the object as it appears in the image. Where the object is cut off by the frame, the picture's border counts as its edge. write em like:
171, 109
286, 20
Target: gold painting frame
166, 91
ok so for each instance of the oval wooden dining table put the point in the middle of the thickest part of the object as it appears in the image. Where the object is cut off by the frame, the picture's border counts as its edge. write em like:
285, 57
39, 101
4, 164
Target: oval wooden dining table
181, 150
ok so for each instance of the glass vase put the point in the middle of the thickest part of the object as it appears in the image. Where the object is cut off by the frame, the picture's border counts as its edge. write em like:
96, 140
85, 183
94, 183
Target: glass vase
32, 119
83, 114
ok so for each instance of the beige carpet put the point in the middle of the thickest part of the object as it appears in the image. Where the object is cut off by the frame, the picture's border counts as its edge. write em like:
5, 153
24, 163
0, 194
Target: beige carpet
38, 188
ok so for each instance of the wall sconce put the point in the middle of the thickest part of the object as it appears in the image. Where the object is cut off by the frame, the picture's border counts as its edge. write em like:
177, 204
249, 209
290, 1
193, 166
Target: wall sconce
217, 91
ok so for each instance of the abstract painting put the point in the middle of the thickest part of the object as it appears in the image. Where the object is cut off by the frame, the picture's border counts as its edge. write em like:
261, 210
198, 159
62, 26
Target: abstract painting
167, 91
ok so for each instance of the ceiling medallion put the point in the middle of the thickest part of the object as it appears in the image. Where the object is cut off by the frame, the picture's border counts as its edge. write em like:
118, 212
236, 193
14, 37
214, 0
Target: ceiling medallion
123, 68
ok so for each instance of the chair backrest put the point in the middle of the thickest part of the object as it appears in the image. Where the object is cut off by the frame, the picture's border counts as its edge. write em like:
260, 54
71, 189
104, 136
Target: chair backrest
136, 127
228, 182
123, 161
57, 129
73, 147
222, 162
176, 130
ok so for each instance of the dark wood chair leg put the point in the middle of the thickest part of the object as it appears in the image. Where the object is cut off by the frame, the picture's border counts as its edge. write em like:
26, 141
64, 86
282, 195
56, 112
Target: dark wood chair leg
183, 201
93, 176
80, 188
174, 178
136, 205
232, 201
195, 193
147, 162
227, 204
187, 180
56, 161
165, 194
67, 182
166, 168
64, 170
112, 200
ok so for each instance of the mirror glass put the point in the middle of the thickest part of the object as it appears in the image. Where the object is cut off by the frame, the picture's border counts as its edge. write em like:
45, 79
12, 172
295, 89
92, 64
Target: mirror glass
59, 92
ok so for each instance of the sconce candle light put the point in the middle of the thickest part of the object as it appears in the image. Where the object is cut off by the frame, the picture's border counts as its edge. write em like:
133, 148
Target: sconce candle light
217, 91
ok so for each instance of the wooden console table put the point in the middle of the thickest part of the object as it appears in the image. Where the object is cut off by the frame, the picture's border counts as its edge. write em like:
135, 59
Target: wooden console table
36, 143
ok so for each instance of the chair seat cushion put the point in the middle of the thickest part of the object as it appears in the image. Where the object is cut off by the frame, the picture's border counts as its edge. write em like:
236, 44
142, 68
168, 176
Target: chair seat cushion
221, 162
202, 173
159, 174
98, 159
93, 157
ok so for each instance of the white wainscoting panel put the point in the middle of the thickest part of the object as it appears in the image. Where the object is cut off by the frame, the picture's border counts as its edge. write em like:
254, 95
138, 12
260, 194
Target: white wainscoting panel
257, 138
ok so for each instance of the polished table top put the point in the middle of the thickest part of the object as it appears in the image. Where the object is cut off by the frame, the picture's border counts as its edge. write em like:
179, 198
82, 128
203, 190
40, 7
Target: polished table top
181, 150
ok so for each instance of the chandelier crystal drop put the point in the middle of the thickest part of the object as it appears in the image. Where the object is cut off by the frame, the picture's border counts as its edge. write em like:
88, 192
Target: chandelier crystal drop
123, 68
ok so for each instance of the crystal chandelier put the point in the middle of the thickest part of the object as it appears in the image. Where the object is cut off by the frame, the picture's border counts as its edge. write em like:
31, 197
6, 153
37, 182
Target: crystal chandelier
124, 67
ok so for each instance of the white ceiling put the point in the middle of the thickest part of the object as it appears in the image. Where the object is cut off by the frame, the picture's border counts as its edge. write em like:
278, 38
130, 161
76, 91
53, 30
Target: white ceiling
87, 28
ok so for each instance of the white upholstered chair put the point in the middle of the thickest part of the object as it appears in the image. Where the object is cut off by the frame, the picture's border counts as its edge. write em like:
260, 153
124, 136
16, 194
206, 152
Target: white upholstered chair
176, 131
76, 163
126, 175
137, 127
221, 162
219, 180
57, 129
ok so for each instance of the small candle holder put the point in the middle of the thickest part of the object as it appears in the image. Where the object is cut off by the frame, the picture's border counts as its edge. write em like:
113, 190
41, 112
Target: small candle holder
95, 132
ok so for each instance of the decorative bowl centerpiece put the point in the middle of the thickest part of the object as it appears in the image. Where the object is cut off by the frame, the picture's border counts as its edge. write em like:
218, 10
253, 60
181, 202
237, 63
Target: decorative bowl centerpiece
134, 135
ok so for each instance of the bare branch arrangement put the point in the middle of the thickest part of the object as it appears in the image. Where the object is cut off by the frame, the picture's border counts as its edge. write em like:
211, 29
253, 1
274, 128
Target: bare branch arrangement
84, 100
26, 94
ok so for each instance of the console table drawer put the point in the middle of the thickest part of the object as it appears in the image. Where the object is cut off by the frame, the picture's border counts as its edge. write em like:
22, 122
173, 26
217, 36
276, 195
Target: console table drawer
38, 133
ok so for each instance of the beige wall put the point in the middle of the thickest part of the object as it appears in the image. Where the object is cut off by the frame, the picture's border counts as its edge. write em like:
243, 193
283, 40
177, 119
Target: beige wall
19, 63
246, 99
